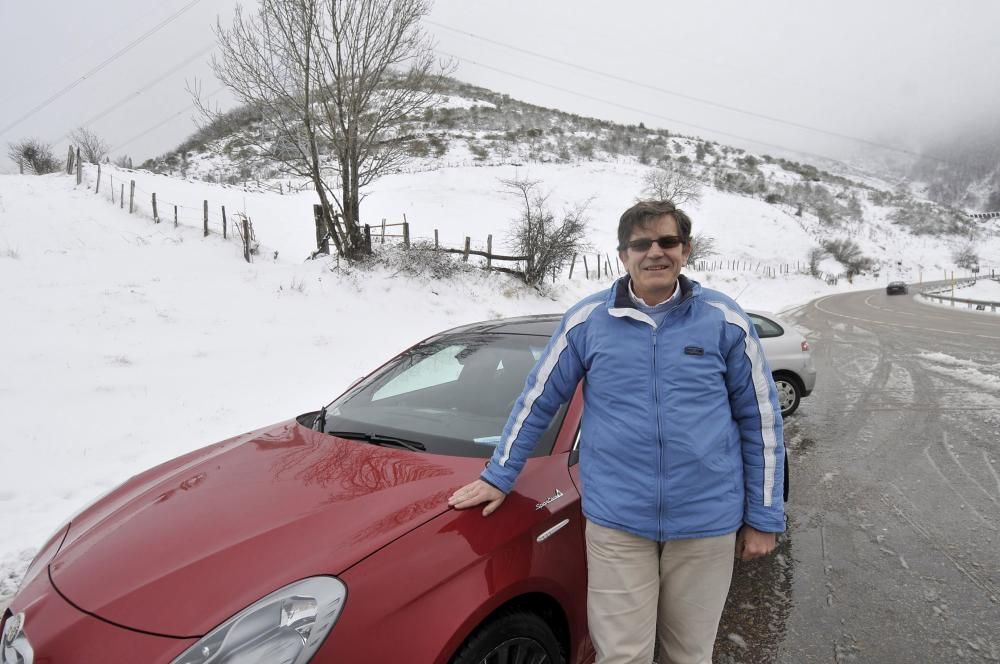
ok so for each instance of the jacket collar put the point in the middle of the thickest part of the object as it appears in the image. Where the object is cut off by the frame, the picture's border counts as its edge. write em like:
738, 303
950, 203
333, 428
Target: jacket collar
620, 304
620, 297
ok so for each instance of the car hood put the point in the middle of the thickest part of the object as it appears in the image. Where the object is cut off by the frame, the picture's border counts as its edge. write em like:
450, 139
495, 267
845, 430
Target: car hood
182, 547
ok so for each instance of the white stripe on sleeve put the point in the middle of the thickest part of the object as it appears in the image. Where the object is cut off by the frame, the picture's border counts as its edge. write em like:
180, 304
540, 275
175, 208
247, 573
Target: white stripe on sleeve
755, 355
546, 365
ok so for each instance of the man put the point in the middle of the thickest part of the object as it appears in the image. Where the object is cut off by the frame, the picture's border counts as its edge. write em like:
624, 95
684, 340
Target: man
681, 452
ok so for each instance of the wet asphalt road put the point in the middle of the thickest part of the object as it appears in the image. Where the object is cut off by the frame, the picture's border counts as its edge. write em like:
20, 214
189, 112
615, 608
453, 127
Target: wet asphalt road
892, 552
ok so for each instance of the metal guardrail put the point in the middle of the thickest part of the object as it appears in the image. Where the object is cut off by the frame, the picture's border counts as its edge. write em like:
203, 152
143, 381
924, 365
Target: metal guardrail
978, 305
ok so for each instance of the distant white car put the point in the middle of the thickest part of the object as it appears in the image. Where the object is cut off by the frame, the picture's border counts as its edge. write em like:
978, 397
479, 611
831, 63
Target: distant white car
787, 352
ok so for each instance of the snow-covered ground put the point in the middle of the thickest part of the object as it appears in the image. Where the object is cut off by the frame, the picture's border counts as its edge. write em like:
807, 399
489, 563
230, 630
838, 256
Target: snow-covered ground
125, 343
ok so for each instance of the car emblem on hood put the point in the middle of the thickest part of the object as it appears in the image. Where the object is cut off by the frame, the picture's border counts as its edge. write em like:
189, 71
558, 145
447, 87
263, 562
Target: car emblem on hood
15, 643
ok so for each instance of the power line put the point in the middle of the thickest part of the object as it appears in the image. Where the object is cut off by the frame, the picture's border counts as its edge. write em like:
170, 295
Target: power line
164, 121
133, 95
701, 100
95, 45
146, 35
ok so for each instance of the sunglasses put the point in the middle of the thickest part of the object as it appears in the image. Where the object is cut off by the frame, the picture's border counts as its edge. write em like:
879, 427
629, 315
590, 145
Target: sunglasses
645, 244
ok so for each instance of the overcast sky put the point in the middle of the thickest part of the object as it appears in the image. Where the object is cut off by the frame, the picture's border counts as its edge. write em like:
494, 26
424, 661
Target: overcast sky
894, 72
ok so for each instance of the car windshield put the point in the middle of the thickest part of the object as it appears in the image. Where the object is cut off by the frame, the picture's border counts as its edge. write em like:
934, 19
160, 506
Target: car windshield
452, 394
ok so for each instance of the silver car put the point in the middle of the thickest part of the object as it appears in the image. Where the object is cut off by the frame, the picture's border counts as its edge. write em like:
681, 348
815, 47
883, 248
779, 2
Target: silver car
788, 354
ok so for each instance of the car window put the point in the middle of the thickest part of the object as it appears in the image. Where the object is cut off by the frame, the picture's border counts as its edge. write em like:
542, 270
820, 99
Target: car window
452, 394
766, 327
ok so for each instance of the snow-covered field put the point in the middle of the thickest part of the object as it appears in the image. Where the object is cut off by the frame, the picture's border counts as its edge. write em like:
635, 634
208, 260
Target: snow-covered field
125, 343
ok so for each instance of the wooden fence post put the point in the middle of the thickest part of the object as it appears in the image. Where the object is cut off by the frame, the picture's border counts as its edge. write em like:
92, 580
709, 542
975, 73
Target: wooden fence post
175, 216
205, 225
368, 238
97, 187
406, 233
465, 256
571, 266
156, 214
322, 238
435, 238
224, 236
489, 251
246, 239
131, 197
382, 236
79, 167
69, 162
598, 266
121, 199
586, 269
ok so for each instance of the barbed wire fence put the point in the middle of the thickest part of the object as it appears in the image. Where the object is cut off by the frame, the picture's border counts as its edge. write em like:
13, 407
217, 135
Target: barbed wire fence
123, 192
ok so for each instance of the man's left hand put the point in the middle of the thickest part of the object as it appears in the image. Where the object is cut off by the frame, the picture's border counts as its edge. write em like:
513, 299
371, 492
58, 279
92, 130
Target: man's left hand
752, 543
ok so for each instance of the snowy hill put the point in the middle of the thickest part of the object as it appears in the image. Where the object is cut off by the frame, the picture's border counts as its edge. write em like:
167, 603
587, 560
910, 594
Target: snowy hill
475, 128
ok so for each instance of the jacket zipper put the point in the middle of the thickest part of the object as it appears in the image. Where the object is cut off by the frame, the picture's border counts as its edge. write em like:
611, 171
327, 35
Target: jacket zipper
661, 479
659, 444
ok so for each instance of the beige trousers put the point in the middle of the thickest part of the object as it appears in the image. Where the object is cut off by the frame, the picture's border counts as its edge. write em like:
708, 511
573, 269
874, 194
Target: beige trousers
640, 591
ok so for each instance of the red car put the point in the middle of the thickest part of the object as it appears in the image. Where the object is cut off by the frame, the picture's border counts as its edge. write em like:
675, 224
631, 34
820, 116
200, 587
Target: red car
328, 538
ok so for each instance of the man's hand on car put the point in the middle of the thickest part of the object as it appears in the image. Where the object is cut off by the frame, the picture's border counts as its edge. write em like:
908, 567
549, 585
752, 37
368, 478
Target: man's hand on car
477, 493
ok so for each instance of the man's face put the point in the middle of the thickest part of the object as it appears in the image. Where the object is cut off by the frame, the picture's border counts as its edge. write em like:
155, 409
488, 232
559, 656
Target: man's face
654, 272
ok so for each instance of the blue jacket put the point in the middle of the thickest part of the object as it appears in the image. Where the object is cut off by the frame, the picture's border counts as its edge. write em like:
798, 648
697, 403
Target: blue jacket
681, 434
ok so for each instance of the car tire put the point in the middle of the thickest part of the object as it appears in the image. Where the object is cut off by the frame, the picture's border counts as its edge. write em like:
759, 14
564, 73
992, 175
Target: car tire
789, 393
514, 636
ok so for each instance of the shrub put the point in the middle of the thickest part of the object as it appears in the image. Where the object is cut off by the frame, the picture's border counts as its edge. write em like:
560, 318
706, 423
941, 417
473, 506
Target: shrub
965, 257
33, 156
814, 257
421, 260
848, 254
549, 243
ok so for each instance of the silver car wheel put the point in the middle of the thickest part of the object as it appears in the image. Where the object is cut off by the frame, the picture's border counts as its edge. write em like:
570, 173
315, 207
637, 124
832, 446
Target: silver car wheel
788, 395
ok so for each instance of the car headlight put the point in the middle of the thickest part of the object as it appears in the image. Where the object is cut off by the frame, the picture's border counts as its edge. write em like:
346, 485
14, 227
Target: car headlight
286, 627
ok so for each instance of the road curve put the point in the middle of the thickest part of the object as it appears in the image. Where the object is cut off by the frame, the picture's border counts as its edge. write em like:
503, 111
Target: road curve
893, 548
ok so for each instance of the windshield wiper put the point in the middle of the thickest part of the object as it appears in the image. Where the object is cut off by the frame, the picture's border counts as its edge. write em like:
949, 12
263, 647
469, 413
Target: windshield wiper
384, 441
319, 424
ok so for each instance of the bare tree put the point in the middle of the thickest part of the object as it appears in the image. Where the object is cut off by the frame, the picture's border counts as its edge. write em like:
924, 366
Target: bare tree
549, 244
33, 156
334, 80
702, 246
92, 147
671, 181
